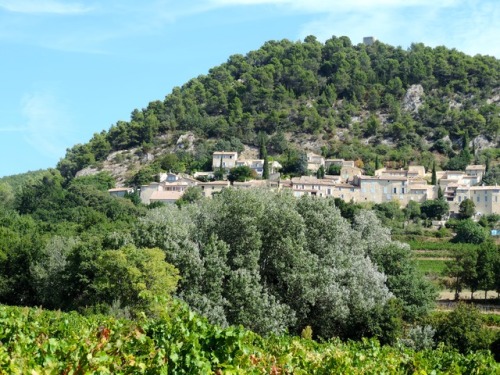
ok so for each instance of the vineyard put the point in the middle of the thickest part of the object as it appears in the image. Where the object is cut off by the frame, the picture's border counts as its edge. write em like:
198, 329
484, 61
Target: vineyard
36, 341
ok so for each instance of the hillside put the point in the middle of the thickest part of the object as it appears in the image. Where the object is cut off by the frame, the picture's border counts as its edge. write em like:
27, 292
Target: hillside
325, 269
343, 100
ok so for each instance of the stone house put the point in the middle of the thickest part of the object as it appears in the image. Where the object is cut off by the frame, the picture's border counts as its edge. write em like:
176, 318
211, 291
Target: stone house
486, 199
226, 159
314, 161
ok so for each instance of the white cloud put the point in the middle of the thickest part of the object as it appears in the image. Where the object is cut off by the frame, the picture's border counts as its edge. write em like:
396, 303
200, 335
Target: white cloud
47, 121
477, 29
43, 6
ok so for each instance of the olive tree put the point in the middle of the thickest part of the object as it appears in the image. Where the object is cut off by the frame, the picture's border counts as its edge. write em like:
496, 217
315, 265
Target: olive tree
273, 262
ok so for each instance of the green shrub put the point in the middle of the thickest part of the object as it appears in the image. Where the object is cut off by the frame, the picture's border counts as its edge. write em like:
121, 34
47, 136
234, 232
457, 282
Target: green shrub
442, 233
468, 231
463, 329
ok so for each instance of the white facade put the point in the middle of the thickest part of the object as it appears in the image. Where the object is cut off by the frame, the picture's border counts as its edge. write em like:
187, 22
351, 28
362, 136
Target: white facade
225, 159
486, 199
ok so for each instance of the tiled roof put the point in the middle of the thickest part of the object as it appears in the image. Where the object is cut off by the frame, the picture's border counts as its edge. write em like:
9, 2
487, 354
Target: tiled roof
475, 167
165, 195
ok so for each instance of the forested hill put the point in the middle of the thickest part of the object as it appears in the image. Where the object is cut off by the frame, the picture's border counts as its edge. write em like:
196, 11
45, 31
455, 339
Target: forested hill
352, 101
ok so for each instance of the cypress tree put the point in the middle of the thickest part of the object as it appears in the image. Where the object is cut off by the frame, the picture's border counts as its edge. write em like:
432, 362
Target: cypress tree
262, 145
465, 141
265, 172
434, 176
219, 173
440, 193
320, 173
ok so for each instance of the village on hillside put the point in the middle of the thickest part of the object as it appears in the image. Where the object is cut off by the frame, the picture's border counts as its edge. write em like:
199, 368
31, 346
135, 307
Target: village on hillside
400, 185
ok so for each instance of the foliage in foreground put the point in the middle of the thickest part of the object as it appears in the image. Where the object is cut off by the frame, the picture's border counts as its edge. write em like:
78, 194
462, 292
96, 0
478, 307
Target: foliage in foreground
40, 341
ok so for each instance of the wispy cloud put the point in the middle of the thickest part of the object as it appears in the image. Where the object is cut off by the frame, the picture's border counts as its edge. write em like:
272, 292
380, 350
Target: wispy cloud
44, 6
105, 22
47, 122
468, 25
336, 5
12, 129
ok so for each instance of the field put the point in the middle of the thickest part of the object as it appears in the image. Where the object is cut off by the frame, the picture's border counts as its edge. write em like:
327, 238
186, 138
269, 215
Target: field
36, 341
433, 268
431, 255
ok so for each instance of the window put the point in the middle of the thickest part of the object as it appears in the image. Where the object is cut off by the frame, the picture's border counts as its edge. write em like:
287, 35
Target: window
478, 198
395, 190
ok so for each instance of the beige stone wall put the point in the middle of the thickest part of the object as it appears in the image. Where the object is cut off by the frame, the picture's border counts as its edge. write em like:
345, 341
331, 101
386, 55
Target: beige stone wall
146, 191
209, 188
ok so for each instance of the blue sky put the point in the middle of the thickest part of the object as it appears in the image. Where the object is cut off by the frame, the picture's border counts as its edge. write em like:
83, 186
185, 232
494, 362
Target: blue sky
70, 68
